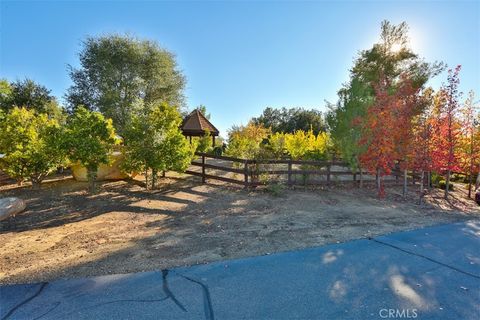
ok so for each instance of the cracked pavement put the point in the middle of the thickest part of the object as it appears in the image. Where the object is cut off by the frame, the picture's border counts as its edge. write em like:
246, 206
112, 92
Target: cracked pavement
432, 273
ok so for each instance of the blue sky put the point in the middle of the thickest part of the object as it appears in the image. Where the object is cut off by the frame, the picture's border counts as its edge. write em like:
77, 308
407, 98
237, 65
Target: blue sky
240, 57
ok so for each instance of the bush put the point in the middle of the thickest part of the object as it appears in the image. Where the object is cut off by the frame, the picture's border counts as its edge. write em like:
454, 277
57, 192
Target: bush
442, 184
89, 139
275, 189
218, 151
436, 178
246, 141
205, 143
31, 144
458, 177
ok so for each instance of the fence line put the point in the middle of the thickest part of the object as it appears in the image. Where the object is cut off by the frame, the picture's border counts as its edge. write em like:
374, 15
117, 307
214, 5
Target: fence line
251, 171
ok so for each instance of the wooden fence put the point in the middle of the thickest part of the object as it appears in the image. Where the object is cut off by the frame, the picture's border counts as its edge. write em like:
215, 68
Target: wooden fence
252, 173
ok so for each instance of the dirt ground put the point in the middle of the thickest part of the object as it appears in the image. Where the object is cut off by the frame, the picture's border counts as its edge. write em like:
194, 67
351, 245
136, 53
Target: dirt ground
67, 233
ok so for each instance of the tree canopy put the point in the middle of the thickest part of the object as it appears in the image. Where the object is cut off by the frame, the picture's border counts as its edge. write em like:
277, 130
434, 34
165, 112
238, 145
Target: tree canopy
116, 71
390, 60
30, 95
290, 120
31, 144
89, 139
156, 143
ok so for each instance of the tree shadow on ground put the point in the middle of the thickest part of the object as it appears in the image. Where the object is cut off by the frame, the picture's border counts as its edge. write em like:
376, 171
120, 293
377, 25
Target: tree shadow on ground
67, 201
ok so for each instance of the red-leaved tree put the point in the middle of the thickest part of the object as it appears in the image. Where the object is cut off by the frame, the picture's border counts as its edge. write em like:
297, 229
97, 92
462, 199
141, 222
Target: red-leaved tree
446, 128
386, 129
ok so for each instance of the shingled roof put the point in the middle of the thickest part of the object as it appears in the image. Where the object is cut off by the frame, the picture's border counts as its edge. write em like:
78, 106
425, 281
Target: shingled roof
195, 124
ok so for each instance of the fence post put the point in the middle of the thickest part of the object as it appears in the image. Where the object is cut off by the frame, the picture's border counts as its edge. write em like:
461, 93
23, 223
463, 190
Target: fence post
245, 173
203, 168
289, 172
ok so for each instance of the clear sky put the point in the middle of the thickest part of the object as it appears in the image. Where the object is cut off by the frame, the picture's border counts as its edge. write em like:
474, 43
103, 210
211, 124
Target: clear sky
240, 57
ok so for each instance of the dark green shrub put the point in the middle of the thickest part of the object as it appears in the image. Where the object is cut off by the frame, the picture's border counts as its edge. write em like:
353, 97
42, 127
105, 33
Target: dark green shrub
442, 184
275, 189
436, 178
218, 151
458, 177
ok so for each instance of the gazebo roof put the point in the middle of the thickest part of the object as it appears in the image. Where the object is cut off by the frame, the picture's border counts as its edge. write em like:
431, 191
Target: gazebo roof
196, 124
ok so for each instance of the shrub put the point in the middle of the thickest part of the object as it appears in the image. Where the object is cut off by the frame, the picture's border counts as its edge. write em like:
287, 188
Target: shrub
89, 139
307, 145
442, 184
458, 177
218, 151
246, 141
205, 143
32, 145
436, 178
275, 189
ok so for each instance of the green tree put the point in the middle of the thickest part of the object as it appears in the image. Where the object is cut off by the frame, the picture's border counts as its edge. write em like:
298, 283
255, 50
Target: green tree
307, 145
205, 143
5, 91
117, 70
203, 110
246, 141
343, 120
291, 120
31, 144
89, 139
30, 95
155, 143
276, 144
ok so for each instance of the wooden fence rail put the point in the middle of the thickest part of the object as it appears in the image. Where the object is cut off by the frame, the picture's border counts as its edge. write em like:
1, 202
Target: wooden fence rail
248, 172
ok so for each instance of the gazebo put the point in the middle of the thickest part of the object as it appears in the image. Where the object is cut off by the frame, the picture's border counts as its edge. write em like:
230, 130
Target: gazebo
196, 125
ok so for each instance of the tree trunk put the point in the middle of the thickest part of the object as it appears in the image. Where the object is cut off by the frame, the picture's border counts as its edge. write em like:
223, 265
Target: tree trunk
361, 178
36, 183
447, 184
470, 183
429, 180
421, 186
163, 173
92, 177
146, 179
470, 179
477, 184
405, 179
154, 178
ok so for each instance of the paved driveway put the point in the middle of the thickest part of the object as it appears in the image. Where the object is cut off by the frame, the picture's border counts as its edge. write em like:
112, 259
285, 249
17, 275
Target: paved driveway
430, 273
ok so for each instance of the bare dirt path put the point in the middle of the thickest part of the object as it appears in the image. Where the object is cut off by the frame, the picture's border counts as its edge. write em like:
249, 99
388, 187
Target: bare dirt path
67, 233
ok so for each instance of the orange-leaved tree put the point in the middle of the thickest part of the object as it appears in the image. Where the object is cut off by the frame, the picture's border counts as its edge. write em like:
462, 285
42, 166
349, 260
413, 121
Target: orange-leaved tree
446, 128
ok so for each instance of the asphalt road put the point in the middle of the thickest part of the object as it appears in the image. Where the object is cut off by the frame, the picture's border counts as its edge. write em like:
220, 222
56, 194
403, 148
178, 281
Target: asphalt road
430, 273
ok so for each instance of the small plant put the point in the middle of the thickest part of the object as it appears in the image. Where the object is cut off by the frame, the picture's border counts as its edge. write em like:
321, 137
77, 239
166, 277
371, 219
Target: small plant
442, 185
458, 177
275, 189
436, 178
